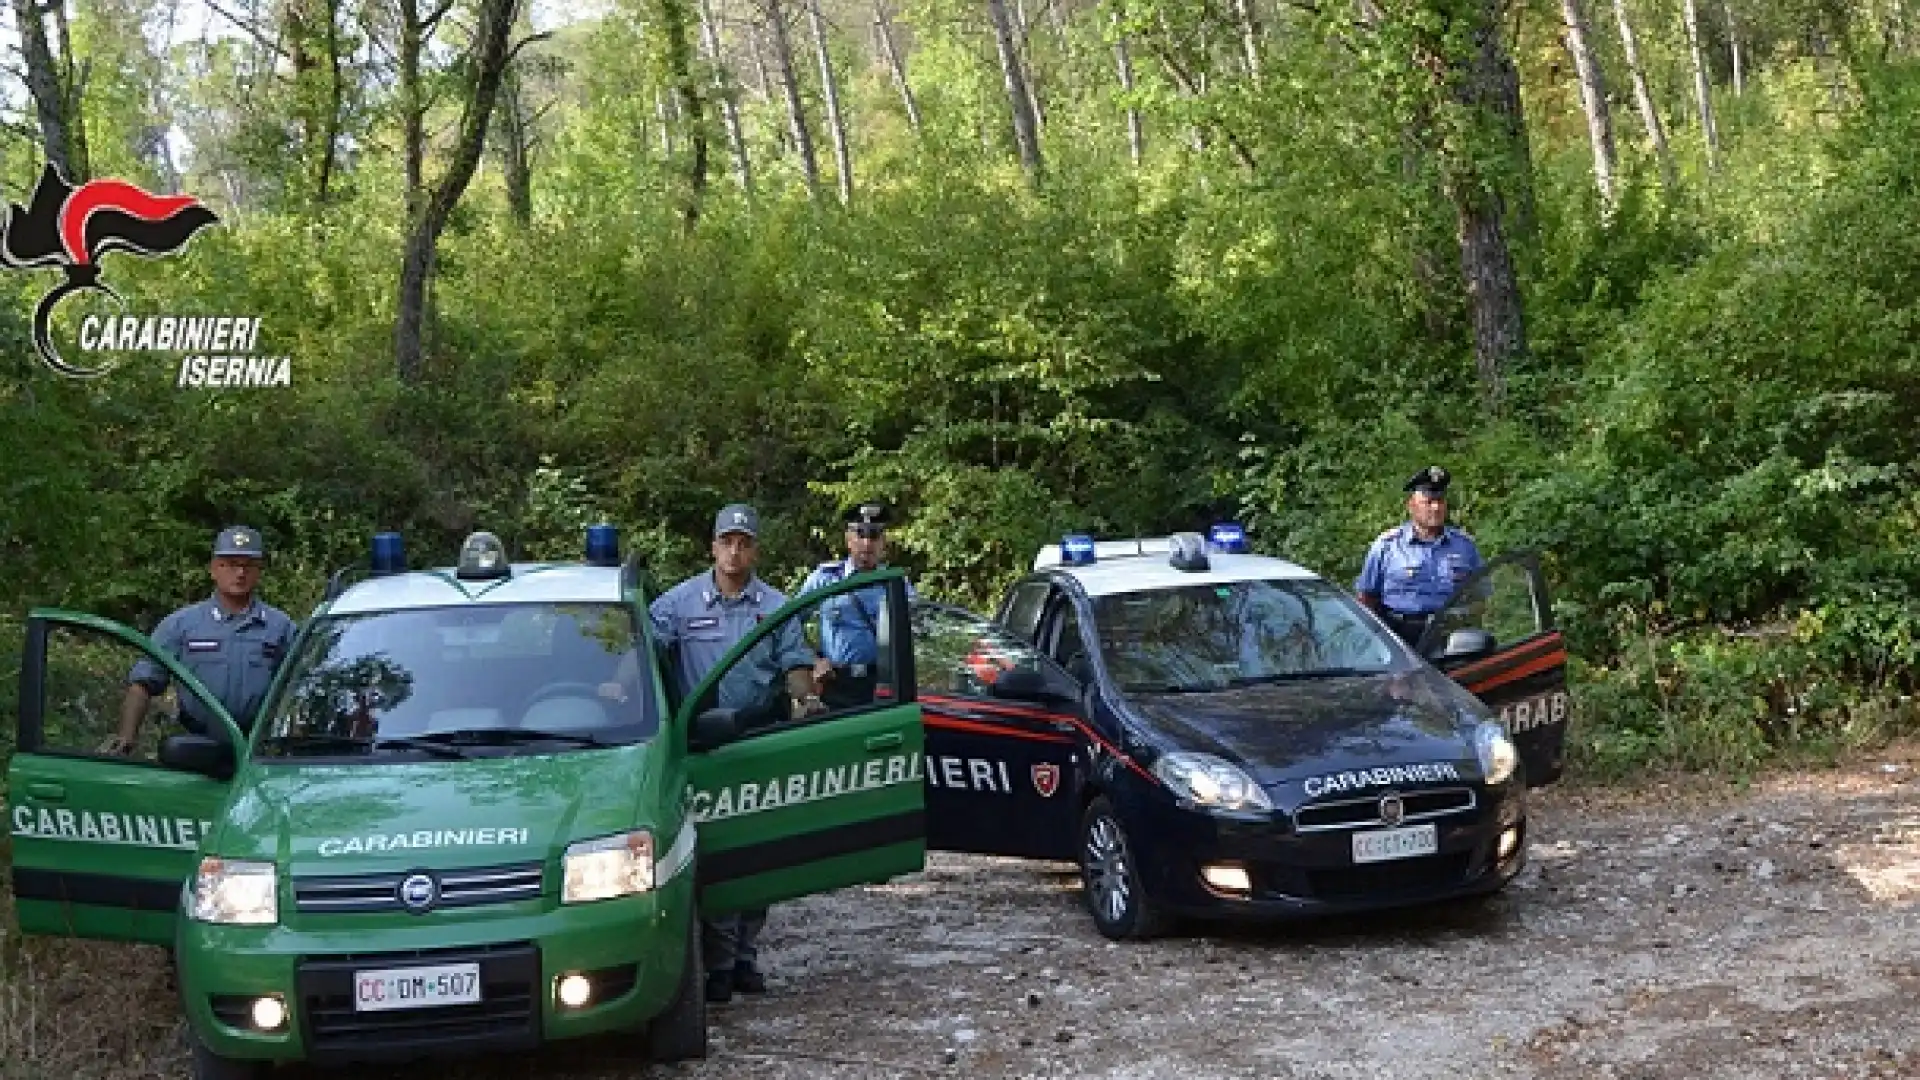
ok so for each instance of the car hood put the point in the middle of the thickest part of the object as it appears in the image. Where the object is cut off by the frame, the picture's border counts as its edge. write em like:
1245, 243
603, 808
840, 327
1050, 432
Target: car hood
335, 818
1292, 737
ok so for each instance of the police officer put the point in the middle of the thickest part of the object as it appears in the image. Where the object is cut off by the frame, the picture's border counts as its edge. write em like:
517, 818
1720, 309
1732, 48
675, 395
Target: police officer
1413, 568
232, 642
850, 622
700, 619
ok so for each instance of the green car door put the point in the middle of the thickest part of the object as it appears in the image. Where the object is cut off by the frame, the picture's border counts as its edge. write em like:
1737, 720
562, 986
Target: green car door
790, 801
102, 844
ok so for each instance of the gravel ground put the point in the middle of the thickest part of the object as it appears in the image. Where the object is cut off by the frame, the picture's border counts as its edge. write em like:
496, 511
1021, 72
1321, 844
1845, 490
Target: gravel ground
1677, 931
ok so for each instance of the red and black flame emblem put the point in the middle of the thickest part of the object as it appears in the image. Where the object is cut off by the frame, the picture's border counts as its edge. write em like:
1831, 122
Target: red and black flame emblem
72, 228
1046, 779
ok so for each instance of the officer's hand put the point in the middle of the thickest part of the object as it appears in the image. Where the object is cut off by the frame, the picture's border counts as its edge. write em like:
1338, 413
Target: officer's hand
822, 669
117, 746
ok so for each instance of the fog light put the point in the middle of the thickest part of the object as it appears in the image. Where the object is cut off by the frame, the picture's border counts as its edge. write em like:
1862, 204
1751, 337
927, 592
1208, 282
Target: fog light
269, 1013
1509, 840
1228, 879
574, 991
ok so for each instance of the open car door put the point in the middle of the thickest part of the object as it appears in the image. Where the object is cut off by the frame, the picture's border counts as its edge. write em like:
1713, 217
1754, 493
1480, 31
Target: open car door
789, 804
102, 844
1521, 672
1004, 764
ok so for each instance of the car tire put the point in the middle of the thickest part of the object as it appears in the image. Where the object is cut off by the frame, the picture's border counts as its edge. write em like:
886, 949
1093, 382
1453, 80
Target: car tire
680, 1033
1110, 878
208, 1065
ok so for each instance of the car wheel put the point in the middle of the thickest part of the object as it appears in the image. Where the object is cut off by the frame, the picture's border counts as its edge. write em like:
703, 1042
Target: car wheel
680, 1033
208, 1065
1110, 879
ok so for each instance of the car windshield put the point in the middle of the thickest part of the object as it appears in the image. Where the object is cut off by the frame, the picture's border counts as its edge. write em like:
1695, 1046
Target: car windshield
546, 677
1221, 635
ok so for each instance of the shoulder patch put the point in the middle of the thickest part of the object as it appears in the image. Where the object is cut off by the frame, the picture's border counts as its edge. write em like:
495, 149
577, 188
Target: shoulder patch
1388, 535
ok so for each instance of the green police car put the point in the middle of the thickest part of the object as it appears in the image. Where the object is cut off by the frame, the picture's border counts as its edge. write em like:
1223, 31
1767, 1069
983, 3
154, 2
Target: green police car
471, 816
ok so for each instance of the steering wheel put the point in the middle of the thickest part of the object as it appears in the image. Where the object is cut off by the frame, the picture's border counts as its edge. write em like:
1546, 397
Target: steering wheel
560, 689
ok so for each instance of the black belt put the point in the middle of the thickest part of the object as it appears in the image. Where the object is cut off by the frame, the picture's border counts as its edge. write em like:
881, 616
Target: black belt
1408, 625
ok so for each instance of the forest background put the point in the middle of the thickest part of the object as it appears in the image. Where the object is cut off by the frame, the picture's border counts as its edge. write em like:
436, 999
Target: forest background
1644, 274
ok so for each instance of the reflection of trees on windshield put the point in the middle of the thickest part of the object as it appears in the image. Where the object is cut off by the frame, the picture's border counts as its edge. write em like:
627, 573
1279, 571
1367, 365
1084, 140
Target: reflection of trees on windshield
347, 698
1211, 636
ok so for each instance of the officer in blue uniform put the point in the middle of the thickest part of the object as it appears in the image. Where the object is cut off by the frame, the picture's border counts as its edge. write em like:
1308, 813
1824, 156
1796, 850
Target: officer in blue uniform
1413, 568
232, 642
850, 623
699, 620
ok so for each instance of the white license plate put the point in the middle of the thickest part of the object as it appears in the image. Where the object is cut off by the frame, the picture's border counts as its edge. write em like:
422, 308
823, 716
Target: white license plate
1385, 844
416, 987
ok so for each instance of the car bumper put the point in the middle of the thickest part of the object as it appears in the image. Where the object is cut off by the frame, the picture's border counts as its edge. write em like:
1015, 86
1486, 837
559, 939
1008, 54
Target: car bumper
1305, 874
631, 949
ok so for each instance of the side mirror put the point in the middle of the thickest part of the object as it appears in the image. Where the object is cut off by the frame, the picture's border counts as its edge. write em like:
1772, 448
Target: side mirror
715, 727
1023, 684
198, 754
1466, 644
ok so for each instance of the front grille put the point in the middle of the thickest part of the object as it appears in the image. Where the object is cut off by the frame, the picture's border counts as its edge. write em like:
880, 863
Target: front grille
1365, 813
1386, 880
507, 1016
381, 892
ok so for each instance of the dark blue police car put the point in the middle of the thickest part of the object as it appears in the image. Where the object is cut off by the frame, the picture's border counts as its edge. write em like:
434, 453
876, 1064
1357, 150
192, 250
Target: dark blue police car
1214, 733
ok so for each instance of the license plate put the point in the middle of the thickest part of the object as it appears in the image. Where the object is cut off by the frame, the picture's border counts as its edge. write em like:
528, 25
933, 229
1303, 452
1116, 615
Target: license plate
1384, 844
416, 987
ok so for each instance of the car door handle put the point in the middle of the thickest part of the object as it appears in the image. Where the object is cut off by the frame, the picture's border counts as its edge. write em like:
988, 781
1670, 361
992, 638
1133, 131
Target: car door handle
961, 714
890, 741
49, 792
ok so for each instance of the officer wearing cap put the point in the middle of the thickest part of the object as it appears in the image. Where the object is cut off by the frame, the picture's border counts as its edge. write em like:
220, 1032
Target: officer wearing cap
850, 622
1413, 568
699, 620
232, 642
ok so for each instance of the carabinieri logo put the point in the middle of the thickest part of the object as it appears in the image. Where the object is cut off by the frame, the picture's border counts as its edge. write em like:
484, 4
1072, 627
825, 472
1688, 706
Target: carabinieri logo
74, 227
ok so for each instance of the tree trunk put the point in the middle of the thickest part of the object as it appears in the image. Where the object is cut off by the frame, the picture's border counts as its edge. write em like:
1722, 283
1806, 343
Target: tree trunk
664, 115
516, 156
413, 132
1123, 64
1733, 40
336, 100
1643, 98
776, 21
1593, 99
1249, 37
1026, 128
758, 47
487, 58
1023, 39
830, 91
729, 101
1190, 85
1702, 90
56, 95
895, 64
672, 18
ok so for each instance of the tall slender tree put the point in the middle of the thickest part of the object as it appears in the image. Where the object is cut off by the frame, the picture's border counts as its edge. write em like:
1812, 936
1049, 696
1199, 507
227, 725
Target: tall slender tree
830, 92
1593, 97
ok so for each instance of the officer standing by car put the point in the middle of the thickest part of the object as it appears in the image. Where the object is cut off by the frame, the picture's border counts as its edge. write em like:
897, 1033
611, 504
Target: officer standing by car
232, 642
850, 623
1412, 568
699, 620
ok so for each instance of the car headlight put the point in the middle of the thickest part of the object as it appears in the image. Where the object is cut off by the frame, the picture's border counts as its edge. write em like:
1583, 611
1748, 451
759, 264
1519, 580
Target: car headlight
1210, 782
608, 867
235, 893
1498, 755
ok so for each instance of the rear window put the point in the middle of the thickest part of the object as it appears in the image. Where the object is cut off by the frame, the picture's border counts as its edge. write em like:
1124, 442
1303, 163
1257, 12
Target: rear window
566, 669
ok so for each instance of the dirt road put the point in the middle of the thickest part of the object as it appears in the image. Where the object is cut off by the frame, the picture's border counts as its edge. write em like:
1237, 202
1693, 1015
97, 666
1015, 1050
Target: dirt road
1700, 935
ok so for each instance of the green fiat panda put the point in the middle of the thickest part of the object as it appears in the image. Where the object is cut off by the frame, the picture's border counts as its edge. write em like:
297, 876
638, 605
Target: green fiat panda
470, 816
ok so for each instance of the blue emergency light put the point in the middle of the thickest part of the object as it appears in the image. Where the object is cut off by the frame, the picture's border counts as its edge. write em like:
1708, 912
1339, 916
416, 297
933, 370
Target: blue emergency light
389, 554
603, 545
1228, 538
1076, 550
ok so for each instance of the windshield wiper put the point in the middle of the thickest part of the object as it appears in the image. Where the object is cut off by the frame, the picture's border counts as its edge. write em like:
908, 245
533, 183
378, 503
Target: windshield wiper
506, 737
288, 743
1295, 676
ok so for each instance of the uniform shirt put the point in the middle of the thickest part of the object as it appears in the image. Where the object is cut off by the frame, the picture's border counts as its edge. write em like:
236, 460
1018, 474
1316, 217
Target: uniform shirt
704, 624
1412, 576
850, 622
234, 656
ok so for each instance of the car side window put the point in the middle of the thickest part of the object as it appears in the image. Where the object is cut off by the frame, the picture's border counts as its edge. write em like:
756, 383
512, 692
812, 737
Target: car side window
765, 685
1024, 610
1068, 643
956, 652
